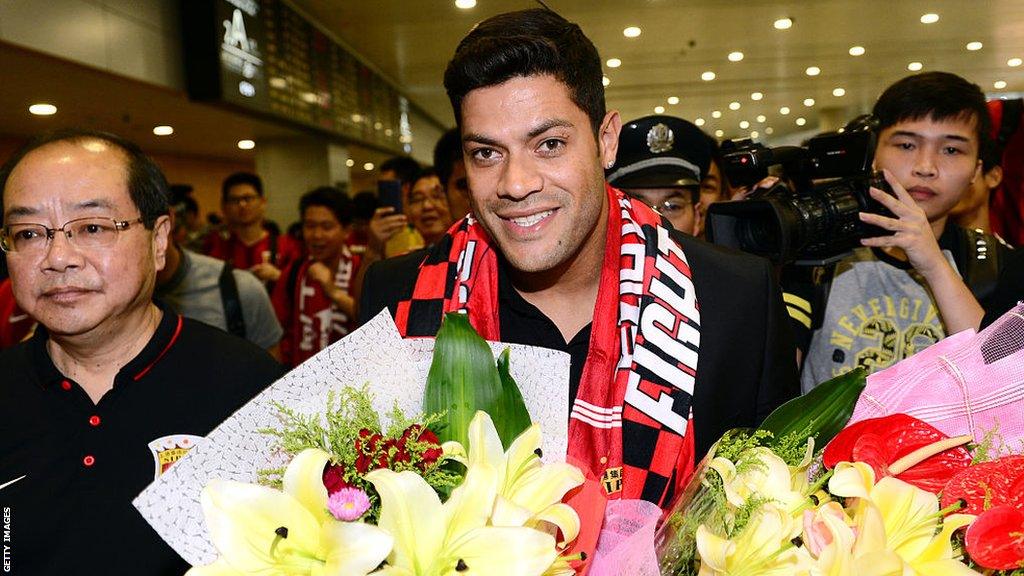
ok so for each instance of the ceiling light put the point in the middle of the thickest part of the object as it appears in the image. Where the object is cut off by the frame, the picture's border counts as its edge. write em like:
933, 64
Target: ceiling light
808, 102
839, 92
1014, 62
972, 46
857, 51
309, 97
754, 134
716, 114
999, 84
606, 80
783, 24
246, 144
659, 109
813, 71
350, 162
719, 133
769, 130
277, 82
744, 125
368, 166
707, 76
43, 109
465, 4
761, 118
673, 100
163, 130
756, 95
735, 56
801, 121
357, 118
734, 105
378, 126
914, 66
631, 32
784, 110
388, 132
613, 63
930, 18
699, 121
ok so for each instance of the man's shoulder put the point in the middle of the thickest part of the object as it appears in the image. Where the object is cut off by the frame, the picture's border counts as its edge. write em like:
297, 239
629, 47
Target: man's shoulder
719, 262
389, 281
213, 350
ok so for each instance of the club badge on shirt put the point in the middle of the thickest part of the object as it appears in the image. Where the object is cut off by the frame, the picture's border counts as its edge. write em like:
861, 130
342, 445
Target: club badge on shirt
167, 450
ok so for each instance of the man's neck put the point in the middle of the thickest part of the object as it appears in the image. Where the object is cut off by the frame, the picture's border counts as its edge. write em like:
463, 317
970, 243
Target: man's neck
250, 234
171, 265
567, 294
94, 359
976, 220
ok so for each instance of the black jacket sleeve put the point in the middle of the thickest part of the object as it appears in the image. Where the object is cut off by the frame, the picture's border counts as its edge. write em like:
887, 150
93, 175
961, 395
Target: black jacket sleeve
387, 282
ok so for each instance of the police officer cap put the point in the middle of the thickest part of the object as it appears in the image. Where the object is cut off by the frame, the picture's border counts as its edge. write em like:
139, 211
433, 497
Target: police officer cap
660, 152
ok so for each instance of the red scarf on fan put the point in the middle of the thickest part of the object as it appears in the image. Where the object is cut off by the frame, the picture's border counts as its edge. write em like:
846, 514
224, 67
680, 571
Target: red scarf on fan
637, 383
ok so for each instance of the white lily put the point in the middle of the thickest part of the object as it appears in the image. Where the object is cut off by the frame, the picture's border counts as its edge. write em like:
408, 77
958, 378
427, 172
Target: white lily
432, 538
258, 529
759, 472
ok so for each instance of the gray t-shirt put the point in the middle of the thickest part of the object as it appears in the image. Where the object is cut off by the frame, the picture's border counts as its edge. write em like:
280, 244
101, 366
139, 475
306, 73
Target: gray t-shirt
877, 314
194, 291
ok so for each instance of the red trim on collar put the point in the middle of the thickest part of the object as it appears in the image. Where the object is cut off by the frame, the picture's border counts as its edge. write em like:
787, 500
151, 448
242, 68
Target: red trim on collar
174, 338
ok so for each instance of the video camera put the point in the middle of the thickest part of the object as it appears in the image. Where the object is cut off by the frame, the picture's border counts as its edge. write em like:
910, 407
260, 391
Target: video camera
815, 222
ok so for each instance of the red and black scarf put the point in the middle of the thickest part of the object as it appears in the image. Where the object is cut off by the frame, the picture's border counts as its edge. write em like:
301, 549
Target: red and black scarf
637, 383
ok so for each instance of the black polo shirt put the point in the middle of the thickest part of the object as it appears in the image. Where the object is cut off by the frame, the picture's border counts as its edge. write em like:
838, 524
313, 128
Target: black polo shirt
80, 464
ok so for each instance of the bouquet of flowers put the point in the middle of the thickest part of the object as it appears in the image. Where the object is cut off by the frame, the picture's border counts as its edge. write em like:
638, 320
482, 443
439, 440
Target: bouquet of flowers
460, 488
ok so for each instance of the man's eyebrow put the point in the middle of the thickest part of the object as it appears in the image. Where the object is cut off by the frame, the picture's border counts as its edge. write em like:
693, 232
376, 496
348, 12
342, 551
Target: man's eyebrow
911, 134
533, 133
21, 211
93, 203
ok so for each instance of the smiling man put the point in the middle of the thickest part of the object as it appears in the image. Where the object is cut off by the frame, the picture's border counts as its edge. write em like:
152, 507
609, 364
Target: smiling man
555, 257
111, 389
905, 291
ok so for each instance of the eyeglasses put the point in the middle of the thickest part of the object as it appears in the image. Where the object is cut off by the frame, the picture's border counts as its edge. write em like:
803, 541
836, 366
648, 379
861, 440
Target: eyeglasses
86, 233
436, 196
670, 208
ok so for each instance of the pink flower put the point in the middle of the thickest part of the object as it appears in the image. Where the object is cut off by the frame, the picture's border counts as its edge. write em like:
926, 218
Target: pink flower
348, 504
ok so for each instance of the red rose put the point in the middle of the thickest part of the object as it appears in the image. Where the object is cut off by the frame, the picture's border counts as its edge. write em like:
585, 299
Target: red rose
429, 456
428, 436
334, 478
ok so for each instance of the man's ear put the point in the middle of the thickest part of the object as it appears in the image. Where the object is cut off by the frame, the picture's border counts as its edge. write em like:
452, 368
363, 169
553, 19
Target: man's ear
608, 138
698, 219
161, 236
994, 177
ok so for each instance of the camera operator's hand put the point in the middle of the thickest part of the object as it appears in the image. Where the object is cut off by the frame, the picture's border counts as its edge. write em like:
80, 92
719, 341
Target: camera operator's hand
744, 192
913, 235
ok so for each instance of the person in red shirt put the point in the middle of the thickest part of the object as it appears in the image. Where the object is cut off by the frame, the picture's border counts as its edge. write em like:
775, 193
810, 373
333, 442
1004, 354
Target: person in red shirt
15, 325
313, 298
245, 242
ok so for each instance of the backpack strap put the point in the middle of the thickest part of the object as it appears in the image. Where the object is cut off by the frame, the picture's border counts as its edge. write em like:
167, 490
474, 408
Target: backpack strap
293, 281
232, 303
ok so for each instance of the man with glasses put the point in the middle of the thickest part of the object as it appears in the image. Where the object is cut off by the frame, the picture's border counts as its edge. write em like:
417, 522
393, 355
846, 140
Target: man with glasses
111, 389
661, 162
245, 242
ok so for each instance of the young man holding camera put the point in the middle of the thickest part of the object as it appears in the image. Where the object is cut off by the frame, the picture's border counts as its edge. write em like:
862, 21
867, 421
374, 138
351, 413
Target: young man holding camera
905, 291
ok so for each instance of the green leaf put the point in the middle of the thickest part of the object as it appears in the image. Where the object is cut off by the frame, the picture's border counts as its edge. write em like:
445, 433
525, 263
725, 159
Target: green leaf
462, 379
821, 413
512, 417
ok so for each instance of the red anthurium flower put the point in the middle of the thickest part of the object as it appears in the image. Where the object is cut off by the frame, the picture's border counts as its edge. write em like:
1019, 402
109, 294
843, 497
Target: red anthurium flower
883, 442
983, 486
996, 538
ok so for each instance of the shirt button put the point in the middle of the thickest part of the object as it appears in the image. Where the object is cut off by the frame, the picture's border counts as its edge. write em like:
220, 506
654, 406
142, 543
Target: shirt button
89, 460
604, 459
65, 385
94, 420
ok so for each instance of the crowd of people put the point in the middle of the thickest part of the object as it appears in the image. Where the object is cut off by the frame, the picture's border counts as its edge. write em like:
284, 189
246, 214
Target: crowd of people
547, 218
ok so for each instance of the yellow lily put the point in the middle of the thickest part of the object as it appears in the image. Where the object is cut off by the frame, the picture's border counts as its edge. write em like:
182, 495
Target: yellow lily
759, 472
261, 530
762, 548
432, 539
529, 492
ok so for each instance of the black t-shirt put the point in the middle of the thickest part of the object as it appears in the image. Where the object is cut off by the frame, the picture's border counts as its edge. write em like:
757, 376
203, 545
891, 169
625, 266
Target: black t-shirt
80, 464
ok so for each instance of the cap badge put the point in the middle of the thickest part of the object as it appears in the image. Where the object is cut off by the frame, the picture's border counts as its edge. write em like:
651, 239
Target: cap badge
660, 139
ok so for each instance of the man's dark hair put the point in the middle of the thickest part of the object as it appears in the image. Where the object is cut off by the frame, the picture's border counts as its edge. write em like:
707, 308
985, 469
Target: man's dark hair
937, 96
403, 166
331, 198
447, 152
147, 185
364, 204
528, 43
240, 178
426, 172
